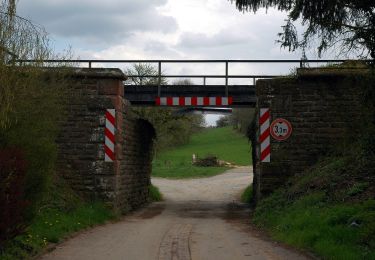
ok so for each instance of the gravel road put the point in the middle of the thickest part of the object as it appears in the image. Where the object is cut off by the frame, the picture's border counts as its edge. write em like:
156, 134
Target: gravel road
199, 219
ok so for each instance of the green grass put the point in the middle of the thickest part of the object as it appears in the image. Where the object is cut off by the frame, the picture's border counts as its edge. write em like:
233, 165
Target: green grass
325, 229
53, 225
154, 193
328, 211
224, 143
247, 195
61, 214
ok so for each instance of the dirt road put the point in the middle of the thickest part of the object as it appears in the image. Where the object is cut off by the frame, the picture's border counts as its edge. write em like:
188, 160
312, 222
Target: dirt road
199, 219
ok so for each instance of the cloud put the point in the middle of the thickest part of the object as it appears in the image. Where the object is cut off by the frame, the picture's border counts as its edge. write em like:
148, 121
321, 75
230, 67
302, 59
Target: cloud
224, 38
159, 29
98, 21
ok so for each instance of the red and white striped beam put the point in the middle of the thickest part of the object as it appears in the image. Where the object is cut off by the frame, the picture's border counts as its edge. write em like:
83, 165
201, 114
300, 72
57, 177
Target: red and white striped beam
110, 128
194, 101
265, 139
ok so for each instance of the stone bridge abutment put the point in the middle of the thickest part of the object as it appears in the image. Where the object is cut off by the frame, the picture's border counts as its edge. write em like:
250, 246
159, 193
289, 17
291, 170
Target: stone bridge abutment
124, 182
324, 107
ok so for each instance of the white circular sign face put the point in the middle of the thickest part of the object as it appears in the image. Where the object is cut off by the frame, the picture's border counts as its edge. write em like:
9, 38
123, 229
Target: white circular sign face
281, 129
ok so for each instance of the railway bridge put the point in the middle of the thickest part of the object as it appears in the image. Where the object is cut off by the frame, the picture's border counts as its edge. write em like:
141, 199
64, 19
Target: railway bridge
106, 151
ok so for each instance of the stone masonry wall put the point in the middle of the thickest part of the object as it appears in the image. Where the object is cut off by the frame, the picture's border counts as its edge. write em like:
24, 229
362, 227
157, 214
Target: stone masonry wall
323, 107
123, 183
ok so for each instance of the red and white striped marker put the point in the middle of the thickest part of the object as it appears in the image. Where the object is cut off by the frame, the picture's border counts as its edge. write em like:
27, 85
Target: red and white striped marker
110, 124
194, 101
264, 139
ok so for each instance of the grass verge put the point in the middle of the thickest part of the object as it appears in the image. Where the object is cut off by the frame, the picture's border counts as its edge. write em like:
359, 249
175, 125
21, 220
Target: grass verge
330, 211
62, 214
225, 143
154, 193
247, 195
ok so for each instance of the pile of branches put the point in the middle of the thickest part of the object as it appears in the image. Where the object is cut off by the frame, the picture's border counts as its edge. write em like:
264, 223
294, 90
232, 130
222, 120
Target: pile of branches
208, 161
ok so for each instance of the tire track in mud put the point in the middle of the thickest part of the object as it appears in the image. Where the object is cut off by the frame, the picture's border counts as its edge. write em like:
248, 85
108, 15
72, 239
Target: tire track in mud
175, 243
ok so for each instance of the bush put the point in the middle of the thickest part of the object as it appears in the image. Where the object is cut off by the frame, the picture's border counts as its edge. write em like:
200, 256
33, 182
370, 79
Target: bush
223, 121
12, 191
33, 126
31, 99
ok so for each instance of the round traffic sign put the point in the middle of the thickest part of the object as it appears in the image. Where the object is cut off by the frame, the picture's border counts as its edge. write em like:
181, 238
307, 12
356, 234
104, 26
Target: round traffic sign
281, 129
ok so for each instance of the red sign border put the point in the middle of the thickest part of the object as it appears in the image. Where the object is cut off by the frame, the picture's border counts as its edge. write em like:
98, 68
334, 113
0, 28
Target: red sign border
281, 138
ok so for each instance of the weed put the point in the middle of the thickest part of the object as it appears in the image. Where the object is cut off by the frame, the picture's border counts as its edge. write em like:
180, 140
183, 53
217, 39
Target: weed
154, 193
247, 195
357, 188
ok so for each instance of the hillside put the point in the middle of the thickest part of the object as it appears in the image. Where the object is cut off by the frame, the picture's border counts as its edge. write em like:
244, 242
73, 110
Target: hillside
330, 210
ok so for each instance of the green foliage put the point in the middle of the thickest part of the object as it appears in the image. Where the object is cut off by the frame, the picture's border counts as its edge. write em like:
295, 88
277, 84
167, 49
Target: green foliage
332, 231
247, 195
327, 210
351, 24
223, 121
30, 101
60, 214
241, 119
154, 193
224, 143
19, 39
172, 129
33, 125
358, 188
52, 226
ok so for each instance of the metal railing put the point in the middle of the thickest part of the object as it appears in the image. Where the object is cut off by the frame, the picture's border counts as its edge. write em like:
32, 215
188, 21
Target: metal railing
226, 75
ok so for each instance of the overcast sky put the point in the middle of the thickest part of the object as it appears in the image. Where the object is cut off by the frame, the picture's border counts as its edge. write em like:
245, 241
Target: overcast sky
162, 29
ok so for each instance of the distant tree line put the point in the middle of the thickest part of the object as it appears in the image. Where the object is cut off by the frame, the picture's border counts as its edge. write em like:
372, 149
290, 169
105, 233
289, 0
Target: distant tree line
240, 119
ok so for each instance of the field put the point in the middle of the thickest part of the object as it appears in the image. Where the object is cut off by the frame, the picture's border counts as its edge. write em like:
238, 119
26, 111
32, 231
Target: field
224, 143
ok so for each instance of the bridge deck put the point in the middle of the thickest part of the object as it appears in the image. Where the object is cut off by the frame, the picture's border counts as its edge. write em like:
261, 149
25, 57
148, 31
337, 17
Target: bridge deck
242, 95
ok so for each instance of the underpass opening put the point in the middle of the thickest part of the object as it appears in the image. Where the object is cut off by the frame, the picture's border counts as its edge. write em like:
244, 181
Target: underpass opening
136, 169
82, 145
209, 152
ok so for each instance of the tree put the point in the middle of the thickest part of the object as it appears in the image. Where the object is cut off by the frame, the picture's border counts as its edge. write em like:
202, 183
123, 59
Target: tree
223, 121
349, 24
241, 118
171, 128
142, 73
19, 39
31, 107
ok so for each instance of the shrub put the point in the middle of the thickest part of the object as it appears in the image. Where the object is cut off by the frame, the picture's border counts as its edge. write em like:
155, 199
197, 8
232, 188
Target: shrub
31, 98
12, 186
